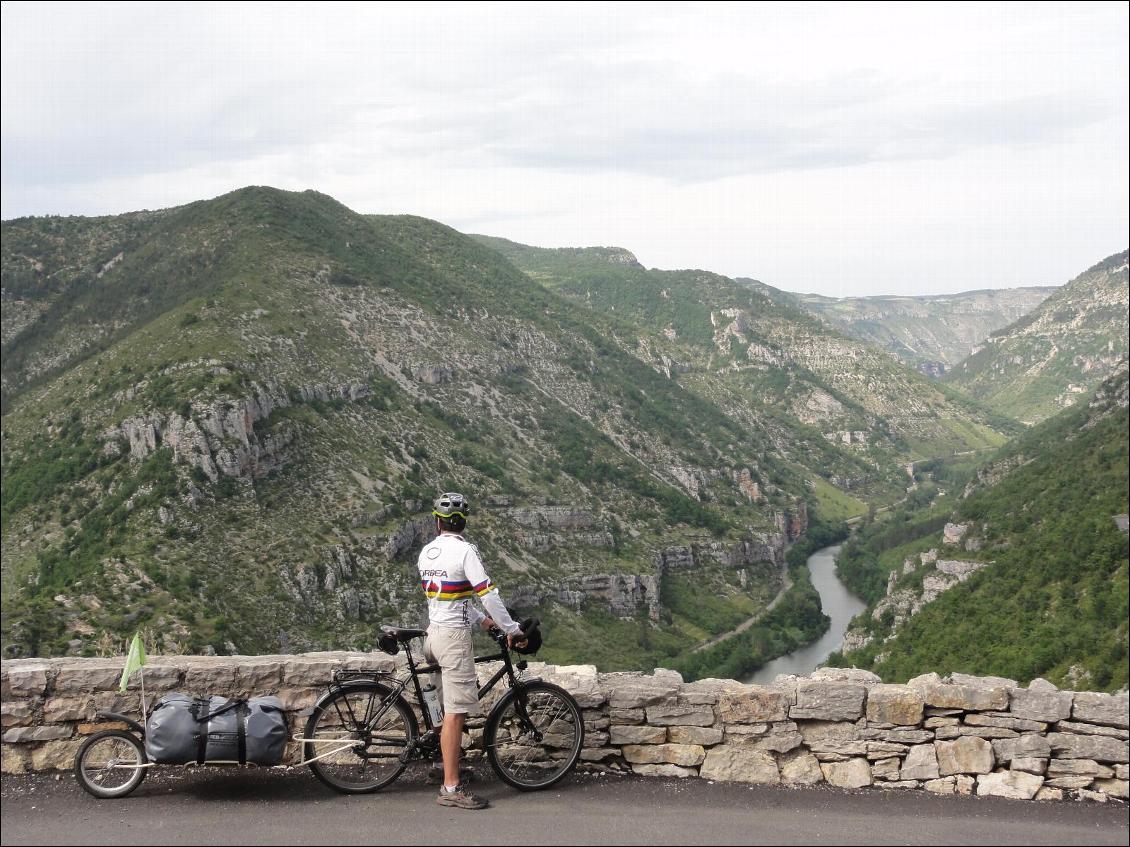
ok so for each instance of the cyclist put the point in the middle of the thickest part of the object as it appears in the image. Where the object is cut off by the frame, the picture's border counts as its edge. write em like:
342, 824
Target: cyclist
452, 573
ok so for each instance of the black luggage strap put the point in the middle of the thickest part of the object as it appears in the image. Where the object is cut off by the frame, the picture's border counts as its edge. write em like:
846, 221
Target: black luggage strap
241, 713
200, 704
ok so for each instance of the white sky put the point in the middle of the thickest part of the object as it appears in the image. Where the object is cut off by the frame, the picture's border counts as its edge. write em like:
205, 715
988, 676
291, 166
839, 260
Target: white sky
841, 148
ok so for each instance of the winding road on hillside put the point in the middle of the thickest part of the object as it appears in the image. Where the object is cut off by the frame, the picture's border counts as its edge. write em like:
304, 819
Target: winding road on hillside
256, 807
786, 584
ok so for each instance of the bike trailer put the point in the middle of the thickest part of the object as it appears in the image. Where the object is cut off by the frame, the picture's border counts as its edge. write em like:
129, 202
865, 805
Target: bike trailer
183, 729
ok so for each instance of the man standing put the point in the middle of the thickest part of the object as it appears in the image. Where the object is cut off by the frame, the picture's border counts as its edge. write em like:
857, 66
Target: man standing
451, 573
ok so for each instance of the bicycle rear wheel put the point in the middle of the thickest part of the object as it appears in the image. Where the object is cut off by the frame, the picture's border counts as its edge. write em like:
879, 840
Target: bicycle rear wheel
355, 738
534, 746
110, 764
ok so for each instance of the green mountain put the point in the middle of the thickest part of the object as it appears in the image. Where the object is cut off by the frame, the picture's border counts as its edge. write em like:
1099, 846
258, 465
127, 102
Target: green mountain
931, 333
1016, 567
829, 402
224, 423
1060, 351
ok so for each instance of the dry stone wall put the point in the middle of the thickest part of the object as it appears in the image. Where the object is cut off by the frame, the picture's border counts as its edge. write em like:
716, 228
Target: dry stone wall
957, 735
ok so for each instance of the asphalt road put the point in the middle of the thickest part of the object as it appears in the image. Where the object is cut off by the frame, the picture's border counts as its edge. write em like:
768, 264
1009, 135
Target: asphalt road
249, 807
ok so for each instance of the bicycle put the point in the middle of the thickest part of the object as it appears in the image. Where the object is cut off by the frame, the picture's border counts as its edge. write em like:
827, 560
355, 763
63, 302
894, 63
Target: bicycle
532, 736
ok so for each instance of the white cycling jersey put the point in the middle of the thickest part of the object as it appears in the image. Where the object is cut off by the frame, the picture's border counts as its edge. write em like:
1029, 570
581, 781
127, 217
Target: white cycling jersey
451, 573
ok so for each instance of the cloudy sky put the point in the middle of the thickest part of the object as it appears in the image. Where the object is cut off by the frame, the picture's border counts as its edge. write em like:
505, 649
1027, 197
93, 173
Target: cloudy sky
840, 148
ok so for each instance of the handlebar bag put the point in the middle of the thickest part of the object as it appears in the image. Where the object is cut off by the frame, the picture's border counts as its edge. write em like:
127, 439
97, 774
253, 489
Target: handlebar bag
183, 729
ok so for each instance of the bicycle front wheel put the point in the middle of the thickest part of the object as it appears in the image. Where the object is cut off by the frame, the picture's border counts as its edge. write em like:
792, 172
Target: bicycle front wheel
355, 739
536, 744
110, 764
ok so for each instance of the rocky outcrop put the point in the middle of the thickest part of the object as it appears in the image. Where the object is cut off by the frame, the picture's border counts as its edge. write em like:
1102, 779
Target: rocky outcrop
901, 604
838, 726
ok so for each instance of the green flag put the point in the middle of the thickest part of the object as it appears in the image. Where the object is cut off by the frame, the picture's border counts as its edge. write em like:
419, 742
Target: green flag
134, 660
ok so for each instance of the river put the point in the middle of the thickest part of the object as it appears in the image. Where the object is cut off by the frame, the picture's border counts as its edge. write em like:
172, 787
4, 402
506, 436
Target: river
838, 603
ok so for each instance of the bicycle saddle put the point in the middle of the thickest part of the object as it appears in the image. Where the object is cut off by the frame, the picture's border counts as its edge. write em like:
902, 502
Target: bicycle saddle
402, 634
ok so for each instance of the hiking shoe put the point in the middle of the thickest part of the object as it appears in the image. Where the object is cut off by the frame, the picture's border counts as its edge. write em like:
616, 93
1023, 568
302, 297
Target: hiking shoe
460, 798
435, 775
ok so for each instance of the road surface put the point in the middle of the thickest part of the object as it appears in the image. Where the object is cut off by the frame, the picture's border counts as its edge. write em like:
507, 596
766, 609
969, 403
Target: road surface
254, 807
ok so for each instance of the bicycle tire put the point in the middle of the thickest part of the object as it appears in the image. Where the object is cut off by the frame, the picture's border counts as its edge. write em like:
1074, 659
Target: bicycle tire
341, 715
515, 753
97, 763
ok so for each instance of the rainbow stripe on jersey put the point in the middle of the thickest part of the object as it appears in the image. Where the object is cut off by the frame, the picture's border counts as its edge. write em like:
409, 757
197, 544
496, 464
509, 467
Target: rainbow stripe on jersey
457, 590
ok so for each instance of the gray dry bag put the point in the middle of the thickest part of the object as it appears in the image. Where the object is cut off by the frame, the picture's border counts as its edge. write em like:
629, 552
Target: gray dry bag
183, 729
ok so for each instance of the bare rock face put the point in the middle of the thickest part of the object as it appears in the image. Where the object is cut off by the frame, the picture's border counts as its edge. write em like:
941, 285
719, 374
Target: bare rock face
953, 533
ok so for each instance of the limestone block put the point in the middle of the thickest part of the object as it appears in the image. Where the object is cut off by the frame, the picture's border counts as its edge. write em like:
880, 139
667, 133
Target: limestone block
295, 699
853, 773
745, 732
664, 770
706, 692
17, 713
27, 734
596, 738
964, 755
753, 705
829, 701
303, 672
71, 707
635, 691
1092, 729
1040, 705
1031, 744
1114, 787
637, 735
1005, 748
1015, 785
24, 679
1047, 793
1041, 684
1122, 771
885, 769
734, 763
1079, 767
941, 695
1070, 783
598, 754
159, 678
948, 733
934, 723
898, 736
703, 735
993, 681
55, 755
14, 760
88, 676
1068, 745
944, 785
827, 734
856, 676
204, 679
799, 767
1105, 709
963, 784
582, 681
898, 783
1019, 724
921, 763
262, 676
883, 749
626, 716
935, 712
1029, 765
680, 715
894, 704
779, 741
686, 755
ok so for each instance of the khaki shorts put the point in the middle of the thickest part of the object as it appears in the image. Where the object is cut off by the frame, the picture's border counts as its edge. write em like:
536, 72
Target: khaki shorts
457, 682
